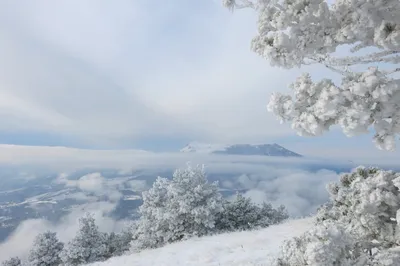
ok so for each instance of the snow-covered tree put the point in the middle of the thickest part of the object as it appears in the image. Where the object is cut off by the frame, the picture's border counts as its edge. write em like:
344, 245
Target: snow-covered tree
46, 250
15, 261
292, 33
149, 231
360, 226
327, 244
269, 215
194, 203
242, 214
238, 214
89, 245
118, 244
367, 200
173, 210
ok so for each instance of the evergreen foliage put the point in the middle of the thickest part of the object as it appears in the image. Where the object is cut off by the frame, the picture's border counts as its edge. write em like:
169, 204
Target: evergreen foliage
46, 250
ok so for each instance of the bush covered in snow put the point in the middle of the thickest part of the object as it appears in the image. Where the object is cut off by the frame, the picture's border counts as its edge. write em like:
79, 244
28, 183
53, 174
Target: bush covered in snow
117, 244
175, 209
360, 226
89, 245
46, 250
188, 205
242, 214
15, 261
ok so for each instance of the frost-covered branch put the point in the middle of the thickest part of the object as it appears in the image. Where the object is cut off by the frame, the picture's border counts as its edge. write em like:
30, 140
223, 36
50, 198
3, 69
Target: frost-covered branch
363, 100
393, 71
292, 33
326, 63
379, 57
238, 4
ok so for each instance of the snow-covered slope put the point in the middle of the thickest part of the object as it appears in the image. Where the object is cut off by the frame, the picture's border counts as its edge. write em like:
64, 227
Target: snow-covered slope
240, 149
242, 248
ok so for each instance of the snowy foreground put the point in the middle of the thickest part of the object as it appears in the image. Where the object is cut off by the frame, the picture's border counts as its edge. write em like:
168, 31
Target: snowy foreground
241, 248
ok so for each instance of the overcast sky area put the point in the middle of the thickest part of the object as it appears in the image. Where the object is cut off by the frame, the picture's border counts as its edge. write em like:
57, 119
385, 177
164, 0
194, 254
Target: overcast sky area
126, 74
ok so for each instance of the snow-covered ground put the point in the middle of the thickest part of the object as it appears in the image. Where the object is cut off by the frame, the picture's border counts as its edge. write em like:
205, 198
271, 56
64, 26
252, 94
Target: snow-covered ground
242, 248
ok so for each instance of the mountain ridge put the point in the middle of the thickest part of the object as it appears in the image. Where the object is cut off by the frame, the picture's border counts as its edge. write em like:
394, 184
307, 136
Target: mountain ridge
240, 149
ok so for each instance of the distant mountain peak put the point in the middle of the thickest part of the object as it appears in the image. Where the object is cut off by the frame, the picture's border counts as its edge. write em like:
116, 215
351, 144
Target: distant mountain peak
200, 147
240, 149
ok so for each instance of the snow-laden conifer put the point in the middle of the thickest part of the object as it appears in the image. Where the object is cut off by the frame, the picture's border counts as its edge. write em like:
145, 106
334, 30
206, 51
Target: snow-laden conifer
150, 230
242, 214
175, 209
238, 214
46, 250
89, 244
14, 261
360, 226
117, 244
194, 203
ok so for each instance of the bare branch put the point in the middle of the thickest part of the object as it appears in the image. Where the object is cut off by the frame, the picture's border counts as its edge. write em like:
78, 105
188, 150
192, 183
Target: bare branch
378, 57
389, 72
238, 4
333, 68
358, 47
246, 4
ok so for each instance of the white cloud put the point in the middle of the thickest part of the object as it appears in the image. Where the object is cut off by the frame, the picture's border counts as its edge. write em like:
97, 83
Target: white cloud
93, 184
137, 185
245, 182
302, 192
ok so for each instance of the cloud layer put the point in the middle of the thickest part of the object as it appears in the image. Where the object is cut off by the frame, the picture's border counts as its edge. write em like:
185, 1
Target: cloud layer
297, 183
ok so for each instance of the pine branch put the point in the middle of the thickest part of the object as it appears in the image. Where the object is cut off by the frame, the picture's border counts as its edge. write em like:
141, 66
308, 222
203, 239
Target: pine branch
379, 57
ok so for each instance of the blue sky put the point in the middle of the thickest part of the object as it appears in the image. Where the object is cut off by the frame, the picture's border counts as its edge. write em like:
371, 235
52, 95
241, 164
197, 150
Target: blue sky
140, 74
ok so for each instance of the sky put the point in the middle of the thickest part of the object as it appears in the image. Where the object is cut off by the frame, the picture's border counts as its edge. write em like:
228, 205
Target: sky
141, 74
